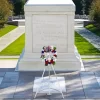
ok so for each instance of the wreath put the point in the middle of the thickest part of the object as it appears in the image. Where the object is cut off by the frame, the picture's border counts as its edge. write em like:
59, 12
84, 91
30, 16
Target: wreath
49, 55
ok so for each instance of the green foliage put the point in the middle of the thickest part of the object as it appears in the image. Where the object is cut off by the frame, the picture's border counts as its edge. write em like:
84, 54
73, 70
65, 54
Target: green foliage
78, 6
84, 47
19, 7
82, 6
5, 11
88, 5
95, 12
6, 29
93, 29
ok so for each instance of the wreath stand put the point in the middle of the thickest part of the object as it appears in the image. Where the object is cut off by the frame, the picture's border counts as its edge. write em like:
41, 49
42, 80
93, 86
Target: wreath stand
49, 81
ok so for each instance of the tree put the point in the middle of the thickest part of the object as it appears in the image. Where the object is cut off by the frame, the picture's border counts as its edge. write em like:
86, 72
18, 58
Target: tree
83, 2
5, 11
82, 6
78, 6
95, 12
88, 5
19, 7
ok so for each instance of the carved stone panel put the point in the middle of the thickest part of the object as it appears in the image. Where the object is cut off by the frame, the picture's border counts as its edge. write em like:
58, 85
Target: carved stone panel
49, 30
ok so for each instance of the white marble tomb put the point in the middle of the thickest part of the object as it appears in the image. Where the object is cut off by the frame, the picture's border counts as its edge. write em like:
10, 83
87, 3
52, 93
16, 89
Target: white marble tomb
49, 22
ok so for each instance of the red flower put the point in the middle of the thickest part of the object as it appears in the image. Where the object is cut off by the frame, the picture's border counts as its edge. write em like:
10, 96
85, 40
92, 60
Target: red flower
55, 55
52, 51
46, 63
52, 61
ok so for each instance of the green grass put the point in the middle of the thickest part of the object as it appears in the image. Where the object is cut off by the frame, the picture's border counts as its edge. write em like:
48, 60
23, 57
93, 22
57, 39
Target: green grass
84, 47
6, 29
93, 29
14, 48
90, 58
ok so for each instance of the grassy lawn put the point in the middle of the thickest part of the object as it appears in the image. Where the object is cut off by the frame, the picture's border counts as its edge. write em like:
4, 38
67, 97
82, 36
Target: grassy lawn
14, 48
83, 46
6, 29
93, 29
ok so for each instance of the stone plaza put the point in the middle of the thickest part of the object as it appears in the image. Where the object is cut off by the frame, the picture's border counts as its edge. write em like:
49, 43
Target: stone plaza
50, 24
80, 85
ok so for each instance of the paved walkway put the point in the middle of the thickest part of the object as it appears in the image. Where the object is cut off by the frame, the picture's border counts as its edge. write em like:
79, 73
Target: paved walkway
91, 37
10, 37
80, 85
9, 57
17, 57
8, 63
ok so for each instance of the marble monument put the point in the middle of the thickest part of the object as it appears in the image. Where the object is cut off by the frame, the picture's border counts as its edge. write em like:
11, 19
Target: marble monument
49, 22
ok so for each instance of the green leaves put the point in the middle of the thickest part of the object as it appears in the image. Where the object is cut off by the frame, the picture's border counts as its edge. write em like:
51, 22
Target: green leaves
5, 11
95, 12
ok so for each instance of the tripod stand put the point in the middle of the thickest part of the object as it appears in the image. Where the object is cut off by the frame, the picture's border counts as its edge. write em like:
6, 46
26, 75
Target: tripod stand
49, 82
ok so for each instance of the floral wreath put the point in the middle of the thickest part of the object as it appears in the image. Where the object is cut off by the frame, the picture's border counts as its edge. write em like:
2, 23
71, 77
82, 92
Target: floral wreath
49, 55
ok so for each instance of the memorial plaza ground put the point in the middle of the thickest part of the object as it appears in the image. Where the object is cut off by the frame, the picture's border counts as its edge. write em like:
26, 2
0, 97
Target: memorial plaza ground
80, 85
49, 23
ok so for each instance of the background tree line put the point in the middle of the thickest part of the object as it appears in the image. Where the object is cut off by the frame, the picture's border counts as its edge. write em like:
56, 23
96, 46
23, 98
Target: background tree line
16, 7
82, 6
5, 11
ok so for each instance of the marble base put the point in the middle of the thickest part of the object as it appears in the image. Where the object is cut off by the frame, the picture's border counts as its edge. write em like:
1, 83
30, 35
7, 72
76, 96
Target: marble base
43, 85
65, 62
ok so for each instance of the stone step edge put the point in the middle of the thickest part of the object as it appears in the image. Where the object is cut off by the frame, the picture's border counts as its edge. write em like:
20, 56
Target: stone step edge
82, 56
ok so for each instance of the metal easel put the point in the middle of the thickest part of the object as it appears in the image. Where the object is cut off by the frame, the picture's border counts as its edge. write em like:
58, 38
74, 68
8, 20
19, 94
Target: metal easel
49, 82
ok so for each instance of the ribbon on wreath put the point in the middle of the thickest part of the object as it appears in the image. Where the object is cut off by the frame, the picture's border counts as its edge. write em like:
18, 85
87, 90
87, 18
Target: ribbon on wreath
49, 55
